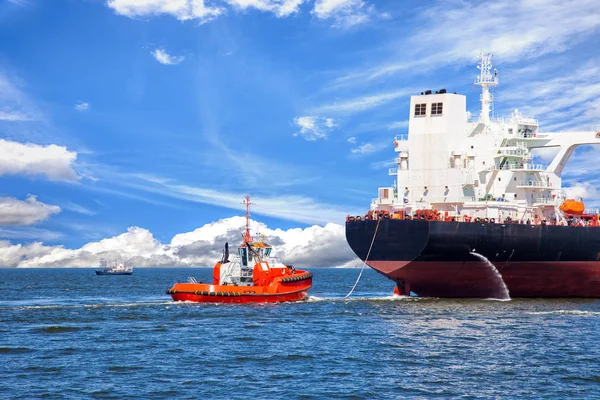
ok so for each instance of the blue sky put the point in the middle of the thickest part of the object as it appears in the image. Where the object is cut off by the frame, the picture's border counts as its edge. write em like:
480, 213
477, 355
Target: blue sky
163, 114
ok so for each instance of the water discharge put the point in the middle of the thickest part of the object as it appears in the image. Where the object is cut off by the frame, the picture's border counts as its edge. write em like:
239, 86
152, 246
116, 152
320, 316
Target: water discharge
503, 290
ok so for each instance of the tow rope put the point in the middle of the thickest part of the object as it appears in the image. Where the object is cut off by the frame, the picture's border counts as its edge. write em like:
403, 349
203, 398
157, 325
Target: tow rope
364, 262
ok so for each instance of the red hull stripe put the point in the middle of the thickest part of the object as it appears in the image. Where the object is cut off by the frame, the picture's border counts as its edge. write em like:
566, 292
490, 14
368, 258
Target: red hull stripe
475, 279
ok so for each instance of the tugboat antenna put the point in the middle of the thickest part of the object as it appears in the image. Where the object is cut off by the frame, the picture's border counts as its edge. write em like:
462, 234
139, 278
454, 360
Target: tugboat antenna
247, 237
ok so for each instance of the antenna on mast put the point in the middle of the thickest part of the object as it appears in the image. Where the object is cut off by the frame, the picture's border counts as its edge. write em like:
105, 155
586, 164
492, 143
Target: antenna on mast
486, 80
247, 237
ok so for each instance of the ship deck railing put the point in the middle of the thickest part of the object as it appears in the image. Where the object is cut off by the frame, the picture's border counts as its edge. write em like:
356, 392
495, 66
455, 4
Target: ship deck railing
519, 166
534, 184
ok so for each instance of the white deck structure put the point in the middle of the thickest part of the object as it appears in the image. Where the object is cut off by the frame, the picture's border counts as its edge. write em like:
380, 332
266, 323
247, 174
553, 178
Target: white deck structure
482, 168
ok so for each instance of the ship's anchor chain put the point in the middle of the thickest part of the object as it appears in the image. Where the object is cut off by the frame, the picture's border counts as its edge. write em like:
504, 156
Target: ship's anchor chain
364, 262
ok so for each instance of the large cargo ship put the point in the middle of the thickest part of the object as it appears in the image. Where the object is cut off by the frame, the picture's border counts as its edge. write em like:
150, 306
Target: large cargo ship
471, 214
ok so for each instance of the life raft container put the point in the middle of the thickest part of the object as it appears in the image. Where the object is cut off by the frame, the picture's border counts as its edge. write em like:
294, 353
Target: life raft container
572, 207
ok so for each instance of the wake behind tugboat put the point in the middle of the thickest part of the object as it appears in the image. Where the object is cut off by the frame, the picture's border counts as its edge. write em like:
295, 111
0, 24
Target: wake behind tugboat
472, 215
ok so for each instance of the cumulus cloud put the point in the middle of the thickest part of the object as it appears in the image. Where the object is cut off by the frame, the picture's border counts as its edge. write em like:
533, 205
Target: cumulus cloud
311, 247
314, 128
82, 106
183, 10
165, 58
281, 8
27, 212
583, 191
55, 162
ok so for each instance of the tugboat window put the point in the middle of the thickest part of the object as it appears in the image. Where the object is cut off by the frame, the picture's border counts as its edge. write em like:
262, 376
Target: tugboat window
243, 256
436, 108
420, 109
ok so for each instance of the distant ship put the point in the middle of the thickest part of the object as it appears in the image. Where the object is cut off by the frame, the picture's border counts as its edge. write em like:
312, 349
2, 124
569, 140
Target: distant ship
472, 215
113, 269
253, 275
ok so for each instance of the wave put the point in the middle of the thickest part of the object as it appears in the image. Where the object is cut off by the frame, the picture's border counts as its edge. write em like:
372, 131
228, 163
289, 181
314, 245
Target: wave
566, 312
87, 305
390, 298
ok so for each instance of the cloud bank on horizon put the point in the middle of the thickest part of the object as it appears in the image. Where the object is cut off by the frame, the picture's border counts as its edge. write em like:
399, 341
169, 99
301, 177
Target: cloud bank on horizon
162, 114
311, 247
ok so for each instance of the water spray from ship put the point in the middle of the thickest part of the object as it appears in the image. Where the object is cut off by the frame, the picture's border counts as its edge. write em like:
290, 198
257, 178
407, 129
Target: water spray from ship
502, 292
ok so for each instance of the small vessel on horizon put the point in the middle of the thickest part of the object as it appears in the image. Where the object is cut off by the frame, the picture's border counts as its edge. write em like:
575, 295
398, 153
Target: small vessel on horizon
252, 276
114, 269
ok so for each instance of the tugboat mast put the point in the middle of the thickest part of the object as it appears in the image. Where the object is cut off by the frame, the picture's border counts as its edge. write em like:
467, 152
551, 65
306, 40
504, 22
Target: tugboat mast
247, 237
485, 80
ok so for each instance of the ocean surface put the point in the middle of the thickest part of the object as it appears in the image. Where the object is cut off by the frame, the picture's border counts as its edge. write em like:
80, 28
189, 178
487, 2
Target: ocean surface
66, 333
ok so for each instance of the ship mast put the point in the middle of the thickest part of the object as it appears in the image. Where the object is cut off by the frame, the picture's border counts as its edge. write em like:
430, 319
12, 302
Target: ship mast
485, 80
247, 237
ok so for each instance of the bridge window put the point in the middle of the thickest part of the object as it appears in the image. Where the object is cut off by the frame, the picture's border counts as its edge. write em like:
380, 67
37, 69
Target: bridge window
436, 108
420, 109
242, 252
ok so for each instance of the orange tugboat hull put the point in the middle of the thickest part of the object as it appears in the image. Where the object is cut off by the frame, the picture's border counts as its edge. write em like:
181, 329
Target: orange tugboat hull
282, 289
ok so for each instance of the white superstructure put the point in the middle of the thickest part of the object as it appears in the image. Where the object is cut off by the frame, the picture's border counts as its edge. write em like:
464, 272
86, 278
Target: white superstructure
482, 168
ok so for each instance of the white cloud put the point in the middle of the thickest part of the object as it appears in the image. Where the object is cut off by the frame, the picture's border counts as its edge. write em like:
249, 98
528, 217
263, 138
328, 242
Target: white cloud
27, 212
165, 58
369, 148
311, 247
291, 208
28, 233
363, 149
314, 128
181, 9
361, 103
344, 13
352, 140
383, 164
585, 191
13, 116
79, 209
398, 124
454, 32
82, 106
55, 162
281, 8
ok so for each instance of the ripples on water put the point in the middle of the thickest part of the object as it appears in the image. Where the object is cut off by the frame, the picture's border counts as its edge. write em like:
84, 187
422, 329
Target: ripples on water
65, 333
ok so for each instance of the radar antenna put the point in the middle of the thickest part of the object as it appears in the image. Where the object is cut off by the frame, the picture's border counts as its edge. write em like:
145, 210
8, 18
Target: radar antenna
486, 79
247, 237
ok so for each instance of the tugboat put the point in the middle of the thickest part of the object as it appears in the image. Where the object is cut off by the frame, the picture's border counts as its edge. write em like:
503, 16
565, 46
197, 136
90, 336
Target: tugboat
252, 276
115, 269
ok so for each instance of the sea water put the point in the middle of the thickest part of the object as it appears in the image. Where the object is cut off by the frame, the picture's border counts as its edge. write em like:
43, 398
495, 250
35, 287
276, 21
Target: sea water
66, 333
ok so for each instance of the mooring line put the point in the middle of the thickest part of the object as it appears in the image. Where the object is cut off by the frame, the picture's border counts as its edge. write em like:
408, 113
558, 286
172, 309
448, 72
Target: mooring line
365, 261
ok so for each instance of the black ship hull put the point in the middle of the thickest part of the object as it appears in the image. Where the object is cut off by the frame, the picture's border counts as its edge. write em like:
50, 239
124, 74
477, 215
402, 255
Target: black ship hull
450, 259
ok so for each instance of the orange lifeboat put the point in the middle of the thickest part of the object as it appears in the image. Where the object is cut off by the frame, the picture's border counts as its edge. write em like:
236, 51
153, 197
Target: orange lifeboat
252, 276
572, 207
